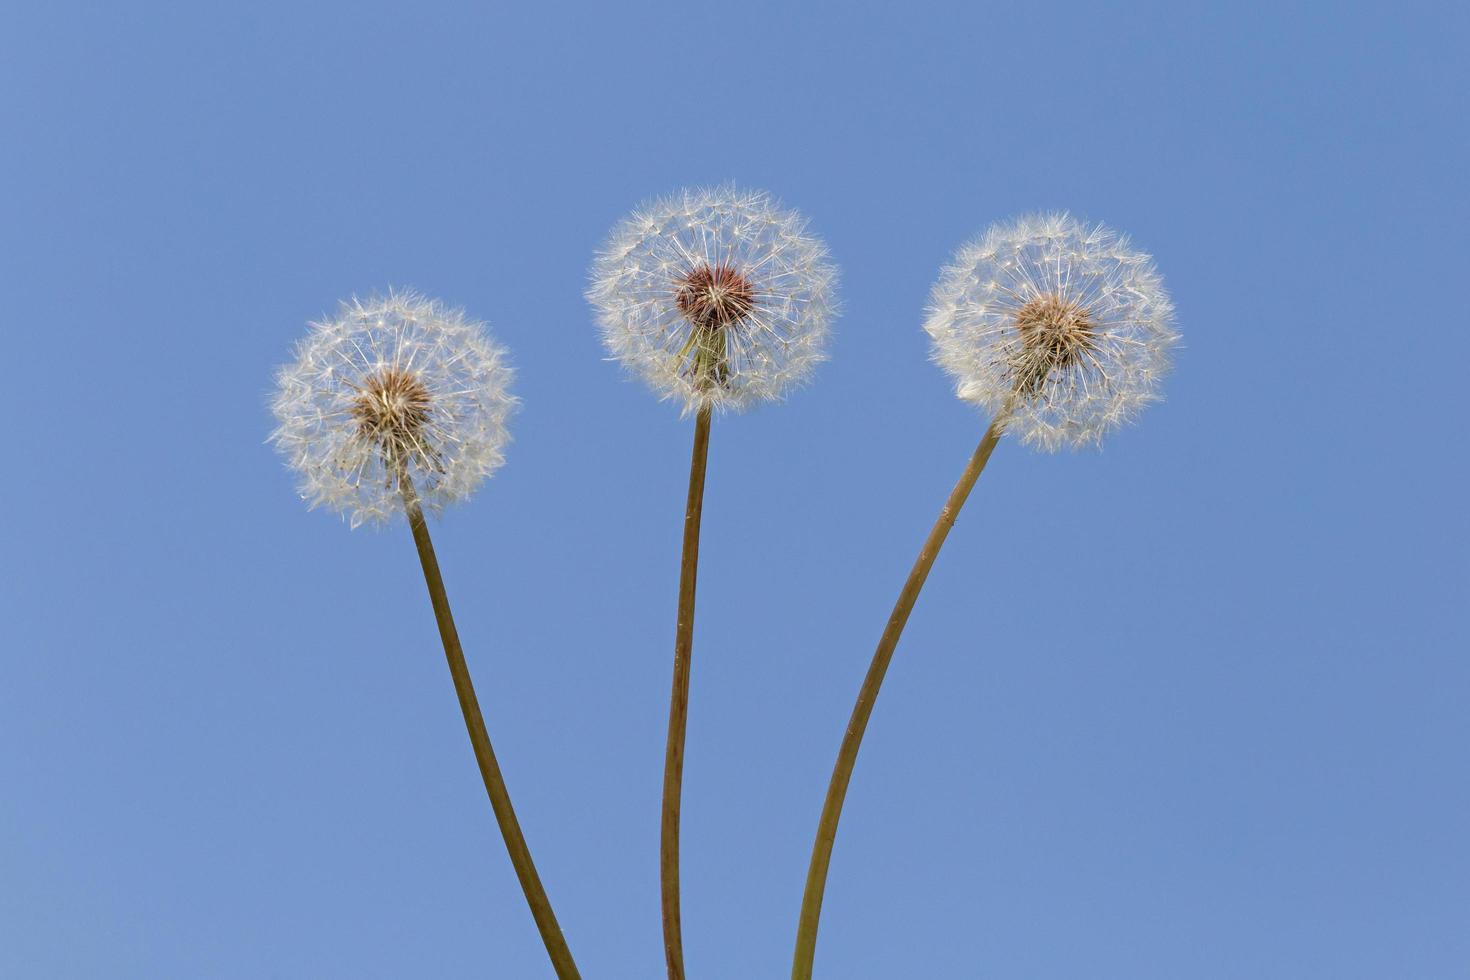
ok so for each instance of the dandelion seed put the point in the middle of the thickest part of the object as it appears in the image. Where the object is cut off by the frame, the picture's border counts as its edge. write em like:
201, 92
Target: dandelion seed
393, 387
1060, 326
715, 297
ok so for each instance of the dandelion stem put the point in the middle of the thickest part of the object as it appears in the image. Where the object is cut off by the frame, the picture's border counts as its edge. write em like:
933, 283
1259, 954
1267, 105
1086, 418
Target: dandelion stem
505, 815
816, 876
668, 863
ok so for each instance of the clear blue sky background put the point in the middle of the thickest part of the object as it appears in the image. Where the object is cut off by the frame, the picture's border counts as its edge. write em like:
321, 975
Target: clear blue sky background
1191, 707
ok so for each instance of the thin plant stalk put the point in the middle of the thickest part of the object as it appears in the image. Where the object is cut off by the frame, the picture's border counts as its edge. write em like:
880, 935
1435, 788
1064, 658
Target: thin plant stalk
668, 854
816, 876
505, 815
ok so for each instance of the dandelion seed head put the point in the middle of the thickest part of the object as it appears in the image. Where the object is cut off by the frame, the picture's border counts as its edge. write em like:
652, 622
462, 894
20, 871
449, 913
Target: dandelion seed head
715, 297
1059, 322
393, 387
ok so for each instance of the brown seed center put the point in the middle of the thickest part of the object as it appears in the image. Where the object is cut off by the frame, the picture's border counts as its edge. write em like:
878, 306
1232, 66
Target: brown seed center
391, 408
714, 297
1055, 333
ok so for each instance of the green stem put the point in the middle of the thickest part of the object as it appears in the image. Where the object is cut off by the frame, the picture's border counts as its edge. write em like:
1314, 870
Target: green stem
668, 852
816, 876
505, 815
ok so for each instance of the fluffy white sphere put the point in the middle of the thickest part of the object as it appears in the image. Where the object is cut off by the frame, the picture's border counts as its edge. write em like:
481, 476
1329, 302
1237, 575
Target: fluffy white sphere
395, 388
1061, 325
714, 297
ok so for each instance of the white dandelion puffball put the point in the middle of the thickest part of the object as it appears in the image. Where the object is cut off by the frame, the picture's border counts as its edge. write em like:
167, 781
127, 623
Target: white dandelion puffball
1061, 324
717, 298
396, 395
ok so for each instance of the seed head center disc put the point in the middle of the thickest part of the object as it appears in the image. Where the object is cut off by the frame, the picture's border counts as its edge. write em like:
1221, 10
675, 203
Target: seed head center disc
714, 297
391, 408
1054, 330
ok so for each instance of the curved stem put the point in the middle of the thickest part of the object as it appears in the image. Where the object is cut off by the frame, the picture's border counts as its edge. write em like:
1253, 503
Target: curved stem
668, 850
505, 815
816, 876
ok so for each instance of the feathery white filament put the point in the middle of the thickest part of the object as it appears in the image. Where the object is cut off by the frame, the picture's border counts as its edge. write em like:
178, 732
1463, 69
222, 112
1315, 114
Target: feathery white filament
394, 384
714, 297
1061, 321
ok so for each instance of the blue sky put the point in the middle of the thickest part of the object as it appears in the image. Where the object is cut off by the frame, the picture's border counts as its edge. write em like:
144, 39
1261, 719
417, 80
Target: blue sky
1193, 706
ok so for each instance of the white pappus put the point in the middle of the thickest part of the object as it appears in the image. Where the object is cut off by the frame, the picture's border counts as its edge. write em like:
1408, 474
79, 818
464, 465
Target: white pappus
1059, 325
395, 393
717, 298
